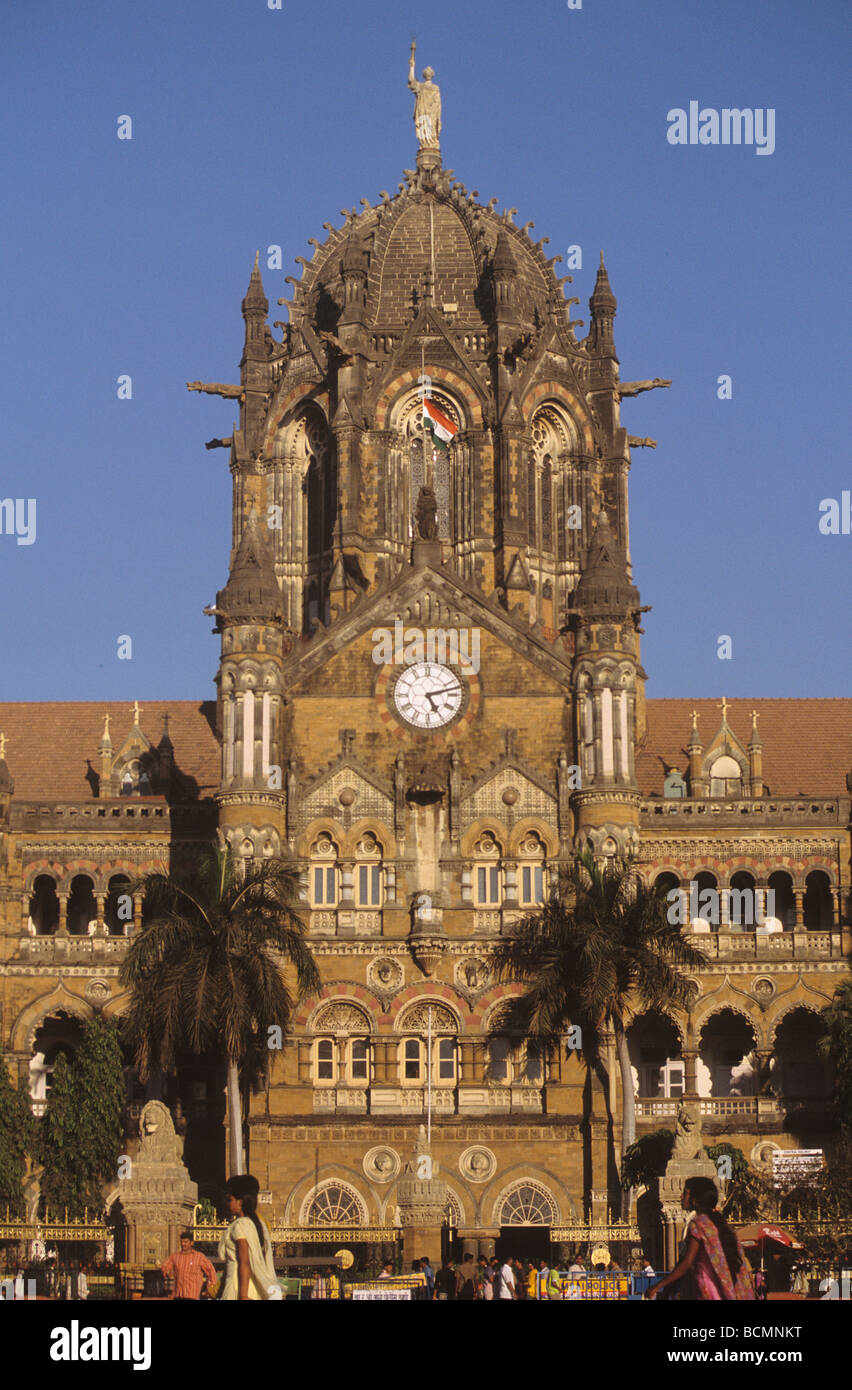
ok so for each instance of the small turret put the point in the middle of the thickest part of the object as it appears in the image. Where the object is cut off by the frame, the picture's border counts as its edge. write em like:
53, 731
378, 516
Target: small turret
695, 749
505, 271
602, 306
755, 757
252, 593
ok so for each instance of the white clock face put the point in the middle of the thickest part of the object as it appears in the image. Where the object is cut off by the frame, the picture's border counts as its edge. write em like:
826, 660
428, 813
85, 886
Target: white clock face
428, 695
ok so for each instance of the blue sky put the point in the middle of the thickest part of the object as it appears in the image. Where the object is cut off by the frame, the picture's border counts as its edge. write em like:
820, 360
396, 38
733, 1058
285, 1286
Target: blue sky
254, 126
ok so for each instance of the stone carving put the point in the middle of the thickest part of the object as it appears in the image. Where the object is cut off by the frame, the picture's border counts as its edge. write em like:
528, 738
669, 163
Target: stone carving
471, 974
385, 974
97, 993
426, 515
382, 1164
159, 1197
341, 1018
763, 990
427, 105
160, 1143
688, 1137
477, 1164
416, 1019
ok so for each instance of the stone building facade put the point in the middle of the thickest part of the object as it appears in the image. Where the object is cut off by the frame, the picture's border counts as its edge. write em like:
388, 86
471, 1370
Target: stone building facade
431, 694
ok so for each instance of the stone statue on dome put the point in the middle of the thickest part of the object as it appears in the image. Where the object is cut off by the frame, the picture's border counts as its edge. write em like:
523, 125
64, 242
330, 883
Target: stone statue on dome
427, 105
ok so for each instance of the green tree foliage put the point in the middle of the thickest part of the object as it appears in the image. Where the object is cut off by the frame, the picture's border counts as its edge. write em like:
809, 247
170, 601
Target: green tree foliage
82, 1128
17, 1133
646, 1160
836, 1045
63, 1187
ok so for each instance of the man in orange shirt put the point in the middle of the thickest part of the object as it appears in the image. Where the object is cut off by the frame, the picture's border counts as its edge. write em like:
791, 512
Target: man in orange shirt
189, 1268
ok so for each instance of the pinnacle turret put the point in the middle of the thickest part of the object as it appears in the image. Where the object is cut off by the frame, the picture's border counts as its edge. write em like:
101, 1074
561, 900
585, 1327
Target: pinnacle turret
604, 584
252, 593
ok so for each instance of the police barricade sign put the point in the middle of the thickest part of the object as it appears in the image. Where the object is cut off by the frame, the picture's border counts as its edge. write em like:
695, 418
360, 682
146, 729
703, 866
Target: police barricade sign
401, 1286
595, 1286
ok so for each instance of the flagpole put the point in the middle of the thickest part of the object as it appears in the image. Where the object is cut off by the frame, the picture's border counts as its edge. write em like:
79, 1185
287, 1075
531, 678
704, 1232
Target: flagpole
427, 472
429, 1081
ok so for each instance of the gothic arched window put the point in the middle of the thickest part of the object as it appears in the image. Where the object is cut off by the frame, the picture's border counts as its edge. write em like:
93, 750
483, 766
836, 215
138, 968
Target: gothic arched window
429, 458
334, 1204
528, 1204
726, 777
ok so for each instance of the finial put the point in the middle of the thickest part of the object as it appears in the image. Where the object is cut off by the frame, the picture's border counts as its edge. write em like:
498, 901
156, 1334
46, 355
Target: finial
602, 261
137, 710
257, 260
724, 708
2, 745
105, 738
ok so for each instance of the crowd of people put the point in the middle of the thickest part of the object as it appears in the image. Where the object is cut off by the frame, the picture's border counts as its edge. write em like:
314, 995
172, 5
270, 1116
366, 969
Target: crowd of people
502, 1279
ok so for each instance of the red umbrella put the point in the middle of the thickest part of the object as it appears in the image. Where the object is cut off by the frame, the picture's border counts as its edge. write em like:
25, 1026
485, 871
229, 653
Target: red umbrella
756, 1235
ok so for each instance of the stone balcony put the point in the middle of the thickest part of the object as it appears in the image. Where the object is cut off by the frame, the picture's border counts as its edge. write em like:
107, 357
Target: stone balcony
89, 817
748, 814
750, 1109
769, 946
62, 948
411, 1100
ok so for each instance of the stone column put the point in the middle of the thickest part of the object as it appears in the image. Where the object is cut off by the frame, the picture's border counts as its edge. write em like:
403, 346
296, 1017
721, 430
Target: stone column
62, 928
422, 1201
799, 898
690, 1071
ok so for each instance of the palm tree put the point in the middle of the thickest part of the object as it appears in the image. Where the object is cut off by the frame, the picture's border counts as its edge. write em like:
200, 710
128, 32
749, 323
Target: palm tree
601, 942
206, 969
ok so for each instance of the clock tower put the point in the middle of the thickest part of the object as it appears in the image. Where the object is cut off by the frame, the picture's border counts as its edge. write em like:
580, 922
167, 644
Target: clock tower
429, 689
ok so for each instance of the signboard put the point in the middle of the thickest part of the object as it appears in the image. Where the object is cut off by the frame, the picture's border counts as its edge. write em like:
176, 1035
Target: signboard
380, 1291
595, 1286
792, 1165
398, 1286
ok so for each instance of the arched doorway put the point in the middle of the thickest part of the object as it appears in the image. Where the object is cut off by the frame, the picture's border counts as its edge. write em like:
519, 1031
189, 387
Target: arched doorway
525, 1215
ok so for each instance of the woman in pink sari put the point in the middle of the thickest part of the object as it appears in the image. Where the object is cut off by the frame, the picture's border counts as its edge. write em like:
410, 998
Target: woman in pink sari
713, 1256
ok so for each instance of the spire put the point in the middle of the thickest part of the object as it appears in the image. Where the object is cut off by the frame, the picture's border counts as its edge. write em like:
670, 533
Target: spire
255, 303
504, 270
251, 593
604, 584
602, 295
602, 307
754, 741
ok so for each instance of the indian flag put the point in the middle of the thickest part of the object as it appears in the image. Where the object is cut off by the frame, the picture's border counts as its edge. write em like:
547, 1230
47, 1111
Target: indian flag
442, 427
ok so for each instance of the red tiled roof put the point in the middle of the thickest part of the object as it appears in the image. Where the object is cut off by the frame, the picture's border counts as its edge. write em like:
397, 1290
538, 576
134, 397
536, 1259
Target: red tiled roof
807, 744
49, 746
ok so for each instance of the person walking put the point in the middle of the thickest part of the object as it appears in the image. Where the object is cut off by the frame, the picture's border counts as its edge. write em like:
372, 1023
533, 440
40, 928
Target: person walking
508, 1289
246, 1246
553, 1286
445, 1282
426, 1268
713, 1264
467, 1280
541, 1277
188, 1268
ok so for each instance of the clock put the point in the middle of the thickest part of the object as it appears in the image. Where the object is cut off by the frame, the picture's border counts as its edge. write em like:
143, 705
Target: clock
428, 695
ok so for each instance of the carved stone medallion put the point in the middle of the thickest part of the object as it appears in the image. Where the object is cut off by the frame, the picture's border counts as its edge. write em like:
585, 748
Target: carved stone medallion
381, 1164
97, 992
471, 973
477, 1164
385, 973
